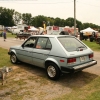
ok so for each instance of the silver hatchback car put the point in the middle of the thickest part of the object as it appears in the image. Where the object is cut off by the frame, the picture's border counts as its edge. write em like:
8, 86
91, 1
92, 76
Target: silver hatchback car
56, 53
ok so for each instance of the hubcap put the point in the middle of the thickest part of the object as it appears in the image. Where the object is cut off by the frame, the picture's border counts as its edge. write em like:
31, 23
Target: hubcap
13, 58
51, 71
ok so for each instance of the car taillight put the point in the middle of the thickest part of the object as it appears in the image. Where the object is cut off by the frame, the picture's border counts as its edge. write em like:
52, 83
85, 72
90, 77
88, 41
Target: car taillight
91, 56
71, 60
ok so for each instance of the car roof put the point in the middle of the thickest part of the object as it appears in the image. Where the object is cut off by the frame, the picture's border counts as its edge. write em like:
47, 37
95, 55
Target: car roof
51, 36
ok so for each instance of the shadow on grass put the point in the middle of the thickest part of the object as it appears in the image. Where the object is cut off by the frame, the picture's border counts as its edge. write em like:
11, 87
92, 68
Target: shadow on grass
76, 80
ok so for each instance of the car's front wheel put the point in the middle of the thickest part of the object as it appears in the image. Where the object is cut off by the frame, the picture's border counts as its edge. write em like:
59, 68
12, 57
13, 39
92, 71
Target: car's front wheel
52, 70
13, 58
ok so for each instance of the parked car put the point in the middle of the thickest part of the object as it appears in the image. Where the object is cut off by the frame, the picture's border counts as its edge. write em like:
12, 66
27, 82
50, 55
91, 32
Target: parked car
63, 33
56, 53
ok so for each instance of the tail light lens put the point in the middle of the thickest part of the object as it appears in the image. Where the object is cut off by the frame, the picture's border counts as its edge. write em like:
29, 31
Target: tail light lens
71, 60
91, 56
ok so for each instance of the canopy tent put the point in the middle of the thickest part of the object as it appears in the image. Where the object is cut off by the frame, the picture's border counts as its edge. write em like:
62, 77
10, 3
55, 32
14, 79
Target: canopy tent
41, 28
33, 29
88, 30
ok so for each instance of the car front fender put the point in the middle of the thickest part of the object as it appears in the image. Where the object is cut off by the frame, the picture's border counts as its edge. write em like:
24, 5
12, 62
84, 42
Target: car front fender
12, 51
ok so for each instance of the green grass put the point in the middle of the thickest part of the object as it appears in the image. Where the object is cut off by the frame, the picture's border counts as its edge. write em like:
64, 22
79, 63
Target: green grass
9, 34
90, 91
93, 45
4, 58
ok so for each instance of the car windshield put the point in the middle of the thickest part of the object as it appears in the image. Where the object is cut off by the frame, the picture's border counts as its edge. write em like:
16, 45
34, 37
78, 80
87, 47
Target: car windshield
71, 44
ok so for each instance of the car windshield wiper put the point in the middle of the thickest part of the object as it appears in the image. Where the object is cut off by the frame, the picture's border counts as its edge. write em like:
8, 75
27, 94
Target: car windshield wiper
79, 48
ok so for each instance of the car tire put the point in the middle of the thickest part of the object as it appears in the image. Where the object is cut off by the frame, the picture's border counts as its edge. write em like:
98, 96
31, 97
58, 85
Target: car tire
53, 72
13, 58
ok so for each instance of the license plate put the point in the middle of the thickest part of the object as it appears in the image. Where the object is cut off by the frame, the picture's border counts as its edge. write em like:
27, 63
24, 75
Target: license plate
82, 58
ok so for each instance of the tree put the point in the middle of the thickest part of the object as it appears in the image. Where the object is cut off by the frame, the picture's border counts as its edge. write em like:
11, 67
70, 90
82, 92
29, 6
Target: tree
6, 16
69, 22
57, 21
50, 20
10, 17
17, 17
79, 25
37, 21
62, 23
26, 17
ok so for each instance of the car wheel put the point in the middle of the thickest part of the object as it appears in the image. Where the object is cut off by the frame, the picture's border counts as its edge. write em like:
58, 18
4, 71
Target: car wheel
13, 58
52, 71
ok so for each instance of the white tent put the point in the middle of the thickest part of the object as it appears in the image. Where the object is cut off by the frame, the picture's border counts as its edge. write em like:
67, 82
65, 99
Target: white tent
33, 29
88, 30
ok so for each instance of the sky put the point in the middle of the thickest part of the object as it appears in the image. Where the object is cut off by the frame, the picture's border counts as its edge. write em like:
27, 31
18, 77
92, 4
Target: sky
87, 11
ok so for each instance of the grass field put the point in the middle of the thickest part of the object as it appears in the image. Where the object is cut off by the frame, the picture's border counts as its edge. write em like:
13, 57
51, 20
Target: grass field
91, 91
93, 45
4, 58
9, 35
84, 86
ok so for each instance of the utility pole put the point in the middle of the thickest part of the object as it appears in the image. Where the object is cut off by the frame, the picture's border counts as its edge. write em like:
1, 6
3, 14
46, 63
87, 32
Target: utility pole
74, 17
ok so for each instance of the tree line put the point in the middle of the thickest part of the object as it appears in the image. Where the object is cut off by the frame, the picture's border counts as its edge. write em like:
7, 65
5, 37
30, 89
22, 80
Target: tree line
10, 17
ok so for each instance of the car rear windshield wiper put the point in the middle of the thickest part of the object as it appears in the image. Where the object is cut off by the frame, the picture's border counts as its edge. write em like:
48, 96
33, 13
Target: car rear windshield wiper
80, 48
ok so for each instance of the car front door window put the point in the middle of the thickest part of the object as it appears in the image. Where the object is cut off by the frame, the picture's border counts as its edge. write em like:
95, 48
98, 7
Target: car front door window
30, 43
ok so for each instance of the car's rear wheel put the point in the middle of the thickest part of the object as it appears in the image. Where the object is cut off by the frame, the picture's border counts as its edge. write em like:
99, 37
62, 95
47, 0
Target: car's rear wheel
52, 70
13, 58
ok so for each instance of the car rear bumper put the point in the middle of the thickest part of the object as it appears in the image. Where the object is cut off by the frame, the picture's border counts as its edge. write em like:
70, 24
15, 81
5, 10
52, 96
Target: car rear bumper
79, 67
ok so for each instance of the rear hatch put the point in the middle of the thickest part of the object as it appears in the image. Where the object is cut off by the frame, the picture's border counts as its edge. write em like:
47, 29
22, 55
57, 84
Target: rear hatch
77, 52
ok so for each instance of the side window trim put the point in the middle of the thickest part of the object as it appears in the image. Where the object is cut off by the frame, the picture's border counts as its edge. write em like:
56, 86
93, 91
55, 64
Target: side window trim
47, 44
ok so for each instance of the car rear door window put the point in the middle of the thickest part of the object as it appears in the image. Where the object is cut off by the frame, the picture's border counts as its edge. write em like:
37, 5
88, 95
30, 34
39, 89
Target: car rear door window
43, 43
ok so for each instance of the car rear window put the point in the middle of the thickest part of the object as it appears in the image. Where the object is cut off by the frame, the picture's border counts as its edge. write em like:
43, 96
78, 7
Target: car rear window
71, 44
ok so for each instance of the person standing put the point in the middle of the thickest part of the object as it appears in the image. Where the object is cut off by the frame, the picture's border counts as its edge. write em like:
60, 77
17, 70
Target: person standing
4, 35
